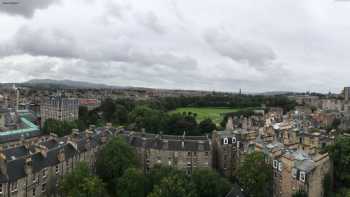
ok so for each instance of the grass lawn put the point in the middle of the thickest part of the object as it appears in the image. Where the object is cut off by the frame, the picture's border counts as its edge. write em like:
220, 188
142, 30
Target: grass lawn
206, 112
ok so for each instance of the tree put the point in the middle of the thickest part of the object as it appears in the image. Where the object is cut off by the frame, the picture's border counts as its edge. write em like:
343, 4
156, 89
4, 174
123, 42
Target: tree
108, 108
158, 173
114, 158
132, 183
81, 183
210, 184
300, 193
146, 118
61, 128
120, 114
206, 126
178, 123
174, 186
340, 155
255, 176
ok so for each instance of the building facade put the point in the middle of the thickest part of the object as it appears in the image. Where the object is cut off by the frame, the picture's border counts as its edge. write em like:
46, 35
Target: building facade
181, 152
33, 168
59, 108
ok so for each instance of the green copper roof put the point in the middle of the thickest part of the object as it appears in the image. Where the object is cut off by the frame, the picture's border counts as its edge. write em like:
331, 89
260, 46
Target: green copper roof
30, 128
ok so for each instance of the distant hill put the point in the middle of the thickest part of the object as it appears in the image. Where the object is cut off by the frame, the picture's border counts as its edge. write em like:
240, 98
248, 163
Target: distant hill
50, 83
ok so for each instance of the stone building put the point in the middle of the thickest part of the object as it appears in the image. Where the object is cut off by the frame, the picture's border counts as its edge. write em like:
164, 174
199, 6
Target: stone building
33, 169
295, 170
182, 152
59, 108
229, 148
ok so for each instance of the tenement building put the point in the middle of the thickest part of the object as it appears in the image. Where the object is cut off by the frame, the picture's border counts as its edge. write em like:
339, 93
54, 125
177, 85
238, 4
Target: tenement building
295, 170
33, 169
230, 147
181, 152
59, 108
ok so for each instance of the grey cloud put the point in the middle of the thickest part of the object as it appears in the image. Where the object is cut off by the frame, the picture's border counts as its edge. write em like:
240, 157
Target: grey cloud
25, 8
54, 43
255, 54
57, 43
151, 21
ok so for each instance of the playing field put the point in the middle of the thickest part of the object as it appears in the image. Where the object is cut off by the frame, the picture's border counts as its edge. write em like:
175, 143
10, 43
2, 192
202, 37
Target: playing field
206, 112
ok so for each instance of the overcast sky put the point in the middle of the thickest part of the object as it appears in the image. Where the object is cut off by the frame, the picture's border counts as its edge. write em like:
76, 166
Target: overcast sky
256, 45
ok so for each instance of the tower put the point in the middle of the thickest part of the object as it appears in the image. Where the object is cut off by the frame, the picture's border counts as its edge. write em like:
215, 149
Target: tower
347, 93
17, 96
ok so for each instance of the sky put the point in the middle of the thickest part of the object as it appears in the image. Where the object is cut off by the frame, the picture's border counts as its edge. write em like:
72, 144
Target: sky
221, 45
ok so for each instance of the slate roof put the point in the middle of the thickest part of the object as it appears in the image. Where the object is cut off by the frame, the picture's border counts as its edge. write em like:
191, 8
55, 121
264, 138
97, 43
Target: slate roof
15, 169
16, 152
16, 157
175, 143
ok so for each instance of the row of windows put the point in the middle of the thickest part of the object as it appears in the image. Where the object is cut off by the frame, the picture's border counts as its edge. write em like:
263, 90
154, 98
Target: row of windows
14, 188
44, 172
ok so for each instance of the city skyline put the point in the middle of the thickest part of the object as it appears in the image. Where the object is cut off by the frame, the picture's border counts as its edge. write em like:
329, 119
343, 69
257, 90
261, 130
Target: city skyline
223, 46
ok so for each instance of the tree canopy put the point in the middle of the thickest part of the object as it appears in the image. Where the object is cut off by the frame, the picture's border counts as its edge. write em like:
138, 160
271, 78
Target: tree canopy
209, 183
174, 186
255, 176
81, 183
113, 159
132, 183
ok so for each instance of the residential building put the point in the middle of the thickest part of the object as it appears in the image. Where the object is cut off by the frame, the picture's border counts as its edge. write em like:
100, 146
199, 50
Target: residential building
33, 169
230, 147
181, 152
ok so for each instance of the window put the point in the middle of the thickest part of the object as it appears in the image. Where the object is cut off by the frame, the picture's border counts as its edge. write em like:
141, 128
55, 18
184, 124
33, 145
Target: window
225, 140
294, 172
169, 162
195, 153
188, 168
33, 192
234, 140
280, 166
302, 177
44, 173
275, 163
34, 179
57, 170
0, 188
206, 153
43, 187
14, 186
188, 153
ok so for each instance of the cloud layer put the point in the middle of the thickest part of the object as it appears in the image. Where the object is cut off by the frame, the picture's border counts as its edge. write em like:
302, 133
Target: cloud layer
221, 45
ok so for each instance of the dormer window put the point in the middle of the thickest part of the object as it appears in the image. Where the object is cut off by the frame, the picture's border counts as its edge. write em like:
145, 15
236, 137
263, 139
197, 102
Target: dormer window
275, 164
225, 140
280, 166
